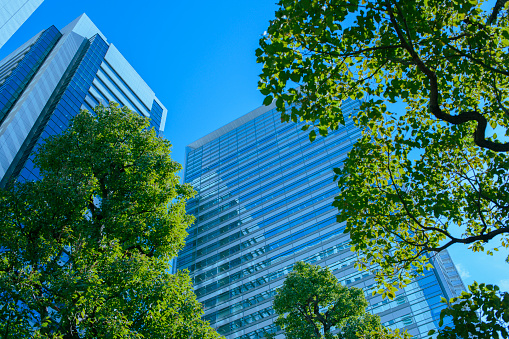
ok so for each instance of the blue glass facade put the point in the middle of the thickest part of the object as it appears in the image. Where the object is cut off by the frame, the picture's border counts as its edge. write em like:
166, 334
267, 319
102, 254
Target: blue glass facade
63, 72
263, 203
71, 100
16, 78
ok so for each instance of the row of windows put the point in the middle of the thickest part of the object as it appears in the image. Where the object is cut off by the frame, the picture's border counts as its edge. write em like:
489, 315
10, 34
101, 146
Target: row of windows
271, 196
215, 211
222, 159
221, 243
9, 65
128, 88
106, 91
205, 206
246, 320
300, 160
240, 306
261, 333
212, 302
285, 213
109, 82
274, 259
113, 80
96, 93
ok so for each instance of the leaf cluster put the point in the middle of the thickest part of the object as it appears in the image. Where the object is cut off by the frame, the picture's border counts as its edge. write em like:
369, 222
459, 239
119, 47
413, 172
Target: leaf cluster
483, 312
445, 59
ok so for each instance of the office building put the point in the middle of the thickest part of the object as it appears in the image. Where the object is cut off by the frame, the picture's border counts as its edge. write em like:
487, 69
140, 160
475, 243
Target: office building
46, 81
263, 203
13, 13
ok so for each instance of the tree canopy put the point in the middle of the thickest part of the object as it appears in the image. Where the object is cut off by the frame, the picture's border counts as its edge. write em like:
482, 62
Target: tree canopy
429, 171
85, 250
312, 303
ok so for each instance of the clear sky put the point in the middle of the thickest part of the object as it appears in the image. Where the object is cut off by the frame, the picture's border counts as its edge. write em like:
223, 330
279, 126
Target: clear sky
199, 59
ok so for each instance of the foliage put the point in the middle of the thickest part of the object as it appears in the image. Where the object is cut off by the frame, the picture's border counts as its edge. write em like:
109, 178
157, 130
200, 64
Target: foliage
482, 313
312, 302
425, 177
85, 250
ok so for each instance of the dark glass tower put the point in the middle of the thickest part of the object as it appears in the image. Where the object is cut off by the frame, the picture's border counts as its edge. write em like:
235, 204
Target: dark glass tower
45, 82
263, 203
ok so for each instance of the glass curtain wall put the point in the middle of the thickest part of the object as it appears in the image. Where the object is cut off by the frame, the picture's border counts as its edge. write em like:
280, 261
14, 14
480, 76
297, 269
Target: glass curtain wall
263, 203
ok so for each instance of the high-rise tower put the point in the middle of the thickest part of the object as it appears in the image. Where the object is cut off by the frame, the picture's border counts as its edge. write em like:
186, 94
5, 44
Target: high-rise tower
46, 81
13, 13
263, 203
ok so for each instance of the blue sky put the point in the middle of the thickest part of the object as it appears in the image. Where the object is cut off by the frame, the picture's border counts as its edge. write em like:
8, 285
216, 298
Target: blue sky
199, 59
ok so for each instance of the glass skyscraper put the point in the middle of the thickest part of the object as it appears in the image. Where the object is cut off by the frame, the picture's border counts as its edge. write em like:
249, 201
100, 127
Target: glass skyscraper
46, 81
263, 203
13, 13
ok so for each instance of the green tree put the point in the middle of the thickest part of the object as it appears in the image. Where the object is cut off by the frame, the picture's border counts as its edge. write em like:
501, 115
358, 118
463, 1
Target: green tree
312, 302
430, 171
85, 250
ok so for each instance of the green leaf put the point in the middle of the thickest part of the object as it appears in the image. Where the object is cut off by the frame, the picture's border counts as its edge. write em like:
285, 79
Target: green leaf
295, 77
312, 135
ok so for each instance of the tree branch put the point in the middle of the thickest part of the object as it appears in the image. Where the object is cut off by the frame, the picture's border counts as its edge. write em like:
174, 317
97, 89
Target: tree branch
496, 9
434, 105
309, 320
483, 237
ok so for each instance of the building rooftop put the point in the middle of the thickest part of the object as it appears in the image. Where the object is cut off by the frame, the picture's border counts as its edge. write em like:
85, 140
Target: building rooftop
231, 126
